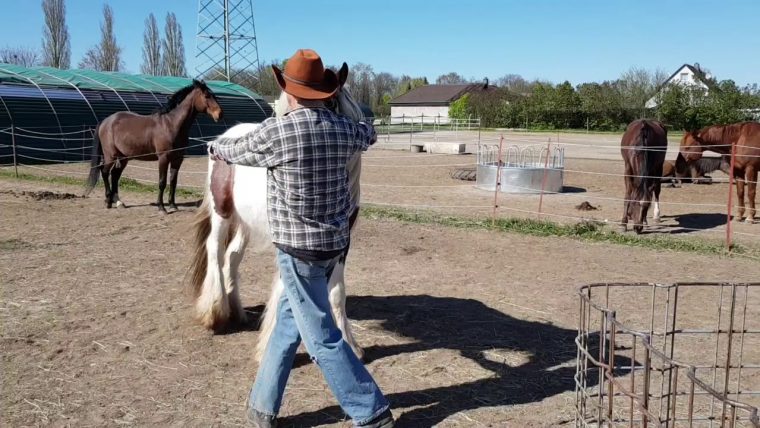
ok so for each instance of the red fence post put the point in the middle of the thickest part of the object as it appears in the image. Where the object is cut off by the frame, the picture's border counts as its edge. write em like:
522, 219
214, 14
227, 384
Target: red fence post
729, 234
497, 187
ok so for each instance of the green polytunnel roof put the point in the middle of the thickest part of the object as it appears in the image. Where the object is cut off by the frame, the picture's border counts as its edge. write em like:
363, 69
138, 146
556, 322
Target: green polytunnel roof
98, 80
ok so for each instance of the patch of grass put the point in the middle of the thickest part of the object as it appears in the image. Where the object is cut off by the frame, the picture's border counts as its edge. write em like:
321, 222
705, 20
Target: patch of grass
587, 231
13, 244
125, 184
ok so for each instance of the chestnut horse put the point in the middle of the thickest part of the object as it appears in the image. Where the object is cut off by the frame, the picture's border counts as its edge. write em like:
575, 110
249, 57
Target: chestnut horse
233, 213
161, 136
643, 148
744, 137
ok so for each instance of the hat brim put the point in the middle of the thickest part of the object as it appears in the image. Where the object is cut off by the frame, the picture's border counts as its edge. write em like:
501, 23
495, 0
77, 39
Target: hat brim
313, 91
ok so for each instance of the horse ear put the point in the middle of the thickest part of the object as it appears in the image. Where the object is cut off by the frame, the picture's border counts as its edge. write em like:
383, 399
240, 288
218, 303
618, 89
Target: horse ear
343, 74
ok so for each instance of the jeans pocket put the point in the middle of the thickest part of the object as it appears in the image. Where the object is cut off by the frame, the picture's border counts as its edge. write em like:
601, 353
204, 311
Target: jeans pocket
308, 270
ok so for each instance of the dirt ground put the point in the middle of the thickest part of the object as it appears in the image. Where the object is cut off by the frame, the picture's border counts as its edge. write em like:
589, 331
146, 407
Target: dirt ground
461, 327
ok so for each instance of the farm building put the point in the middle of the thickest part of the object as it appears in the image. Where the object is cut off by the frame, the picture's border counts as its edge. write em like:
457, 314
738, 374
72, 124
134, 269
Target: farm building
49, 114
431, 101
687, 75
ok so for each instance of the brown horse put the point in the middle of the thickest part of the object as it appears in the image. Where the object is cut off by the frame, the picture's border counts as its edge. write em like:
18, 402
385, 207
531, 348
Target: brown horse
643, 148
161, 136
744, 137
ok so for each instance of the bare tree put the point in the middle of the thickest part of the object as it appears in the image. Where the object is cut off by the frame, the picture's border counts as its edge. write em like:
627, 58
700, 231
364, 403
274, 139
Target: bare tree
173, 62
151, 48
360, 79
106, 56
23, 56
56, 47
452, 78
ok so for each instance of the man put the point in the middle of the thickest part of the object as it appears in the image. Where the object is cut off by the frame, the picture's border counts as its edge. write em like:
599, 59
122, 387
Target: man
308, 199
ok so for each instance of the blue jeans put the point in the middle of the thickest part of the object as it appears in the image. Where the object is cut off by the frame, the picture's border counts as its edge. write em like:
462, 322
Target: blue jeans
304, 312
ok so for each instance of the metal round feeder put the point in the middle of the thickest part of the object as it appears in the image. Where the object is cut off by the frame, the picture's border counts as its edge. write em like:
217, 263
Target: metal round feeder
526, 169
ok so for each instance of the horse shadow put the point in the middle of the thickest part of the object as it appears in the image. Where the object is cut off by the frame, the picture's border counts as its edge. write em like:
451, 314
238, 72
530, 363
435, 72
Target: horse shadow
696, 222
476, 332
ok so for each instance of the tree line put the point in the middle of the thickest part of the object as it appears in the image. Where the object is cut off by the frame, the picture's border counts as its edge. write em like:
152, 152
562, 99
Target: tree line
610, 105
514, 102
161, 56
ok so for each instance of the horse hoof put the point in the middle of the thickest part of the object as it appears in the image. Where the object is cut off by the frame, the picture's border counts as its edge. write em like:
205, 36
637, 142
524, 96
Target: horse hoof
120, 204
162, 211
173, 208
657, 220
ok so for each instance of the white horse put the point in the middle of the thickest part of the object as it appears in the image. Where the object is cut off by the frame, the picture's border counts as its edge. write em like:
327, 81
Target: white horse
233, 213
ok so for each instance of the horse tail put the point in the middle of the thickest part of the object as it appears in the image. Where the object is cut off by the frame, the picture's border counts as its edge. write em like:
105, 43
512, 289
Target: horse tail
202, 228
647, 159
96, 162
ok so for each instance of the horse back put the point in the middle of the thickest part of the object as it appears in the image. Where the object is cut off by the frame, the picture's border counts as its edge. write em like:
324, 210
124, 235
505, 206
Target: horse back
133, 135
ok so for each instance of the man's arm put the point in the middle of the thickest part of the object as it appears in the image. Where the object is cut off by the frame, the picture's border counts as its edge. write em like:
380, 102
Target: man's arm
365, 135
254, 149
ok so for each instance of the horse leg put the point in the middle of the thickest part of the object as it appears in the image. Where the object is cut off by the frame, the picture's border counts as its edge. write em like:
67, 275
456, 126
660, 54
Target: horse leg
657, 188
751, 174
105, 172
163, 165
269, 317
232, 259
740, 196
337, 291
173, 175
116, 172
212, 306
627, 179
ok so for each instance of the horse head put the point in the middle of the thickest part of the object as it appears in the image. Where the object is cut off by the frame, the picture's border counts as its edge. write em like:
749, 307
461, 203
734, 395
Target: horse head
691, 146
204, 100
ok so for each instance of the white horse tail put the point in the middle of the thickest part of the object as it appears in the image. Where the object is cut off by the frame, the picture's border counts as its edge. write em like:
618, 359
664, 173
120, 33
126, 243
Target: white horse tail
211, 237
269, 317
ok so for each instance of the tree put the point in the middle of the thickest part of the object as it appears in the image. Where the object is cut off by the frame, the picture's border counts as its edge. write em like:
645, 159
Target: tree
173, 61
151, 48
452, 78
106, 56
515, 83
23, 56
360, 79
56, 47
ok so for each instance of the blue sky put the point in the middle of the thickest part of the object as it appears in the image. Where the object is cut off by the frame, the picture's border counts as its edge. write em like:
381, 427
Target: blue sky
579, 41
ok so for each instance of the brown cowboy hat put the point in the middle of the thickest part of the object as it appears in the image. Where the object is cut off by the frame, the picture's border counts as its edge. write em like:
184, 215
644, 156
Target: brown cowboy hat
306, 77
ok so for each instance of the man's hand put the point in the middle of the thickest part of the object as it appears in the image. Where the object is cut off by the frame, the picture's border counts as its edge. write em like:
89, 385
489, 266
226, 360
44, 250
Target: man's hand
213, 155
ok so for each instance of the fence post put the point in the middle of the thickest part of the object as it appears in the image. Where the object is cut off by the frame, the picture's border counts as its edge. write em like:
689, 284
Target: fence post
411, 132
13, 143
729, 232
497, 187
422, 122
543, 180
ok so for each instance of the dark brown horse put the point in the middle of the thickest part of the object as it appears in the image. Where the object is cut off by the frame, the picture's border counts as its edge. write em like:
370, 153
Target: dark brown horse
744, 137
696, 172
643, 148
161, 136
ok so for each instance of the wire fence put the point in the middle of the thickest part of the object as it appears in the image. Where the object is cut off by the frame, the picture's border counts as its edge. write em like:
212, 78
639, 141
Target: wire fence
424, 196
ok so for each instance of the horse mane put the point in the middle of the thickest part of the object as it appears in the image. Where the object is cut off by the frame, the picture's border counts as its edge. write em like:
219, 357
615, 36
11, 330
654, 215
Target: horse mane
179, 96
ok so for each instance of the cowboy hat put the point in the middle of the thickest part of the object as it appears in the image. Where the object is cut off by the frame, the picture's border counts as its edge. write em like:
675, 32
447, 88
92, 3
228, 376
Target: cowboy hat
306, 77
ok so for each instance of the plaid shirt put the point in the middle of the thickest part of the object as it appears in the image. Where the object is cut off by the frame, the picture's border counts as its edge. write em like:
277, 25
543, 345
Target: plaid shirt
306, 152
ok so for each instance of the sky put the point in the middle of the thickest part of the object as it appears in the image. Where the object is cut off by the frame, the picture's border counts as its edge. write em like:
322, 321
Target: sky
555, 40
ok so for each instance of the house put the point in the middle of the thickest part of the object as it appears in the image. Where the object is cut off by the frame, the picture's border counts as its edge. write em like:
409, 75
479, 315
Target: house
431, 102
686, 75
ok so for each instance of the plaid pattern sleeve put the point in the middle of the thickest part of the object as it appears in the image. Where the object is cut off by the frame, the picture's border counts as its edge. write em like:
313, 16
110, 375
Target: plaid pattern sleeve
254, 149
365, 135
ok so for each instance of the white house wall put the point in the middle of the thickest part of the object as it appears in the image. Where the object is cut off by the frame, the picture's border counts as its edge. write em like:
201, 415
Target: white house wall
430, 114
688, 79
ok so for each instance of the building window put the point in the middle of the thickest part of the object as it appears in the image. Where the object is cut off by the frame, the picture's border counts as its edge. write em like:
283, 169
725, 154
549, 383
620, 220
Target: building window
684, 77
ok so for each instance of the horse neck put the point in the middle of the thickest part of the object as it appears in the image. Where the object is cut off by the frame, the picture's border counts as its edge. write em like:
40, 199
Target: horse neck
719, 137
184, 114
354, 178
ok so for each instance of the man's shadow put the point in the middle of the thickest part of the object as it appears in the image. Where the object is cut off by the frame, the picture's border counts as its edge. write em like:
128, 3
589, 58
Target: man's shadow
476, 332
